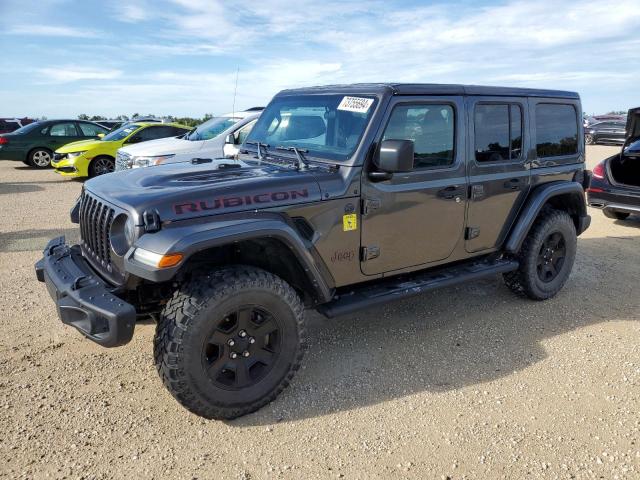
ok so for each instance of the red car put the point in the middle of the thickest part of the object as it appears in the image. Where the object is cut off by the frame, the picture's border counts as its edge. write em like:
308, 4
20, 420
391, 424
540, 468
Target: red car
8, 125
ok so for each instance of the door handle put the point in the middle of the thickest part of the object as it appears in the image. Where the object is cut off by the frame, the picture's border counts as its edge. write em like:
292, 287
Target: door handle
513, 184
449, 193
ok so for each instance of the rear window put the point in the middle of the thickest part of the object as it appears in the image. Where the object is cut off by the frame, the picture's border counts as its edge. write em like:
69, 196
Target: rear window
556, 130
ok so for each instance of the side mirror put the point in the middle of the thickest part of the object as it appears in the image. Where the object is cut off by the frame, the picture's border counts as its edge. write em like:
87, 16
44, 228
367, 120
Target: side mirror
135, 139
100, 135
230, 140
395, 156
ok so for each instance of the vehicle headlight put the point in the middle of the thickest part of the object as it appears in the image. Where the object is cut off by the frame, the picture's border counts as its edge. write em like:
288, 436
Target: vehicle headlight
76, 154
138, 162
122, 234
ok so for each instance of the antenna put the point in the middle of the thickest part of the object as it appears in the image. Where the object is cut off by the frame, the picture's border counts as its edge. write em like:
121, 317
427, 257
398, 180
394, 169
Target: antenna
235, 91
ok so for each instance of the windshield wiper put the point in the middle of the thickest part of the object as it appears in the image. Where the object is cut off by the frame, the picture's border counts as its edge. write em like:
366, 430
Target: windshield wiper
299, 155
260, 145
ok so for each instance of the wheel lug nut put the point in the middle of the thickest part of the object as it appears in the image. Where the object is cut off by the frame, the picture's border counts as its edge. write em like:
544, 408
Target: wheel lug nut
246, 353
252, 340
242, 333
233, 355
231, 343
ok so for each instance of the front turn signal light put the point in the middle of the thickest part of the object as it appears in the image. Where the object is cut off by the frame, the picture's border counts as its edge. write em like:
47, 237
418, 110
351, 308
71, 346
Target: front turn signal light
157, 260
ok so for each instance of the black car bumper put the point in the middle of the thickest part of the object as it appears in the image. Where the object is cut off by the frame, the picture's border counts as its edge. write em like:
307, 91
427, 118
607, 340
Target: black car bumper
612, 198
82, 299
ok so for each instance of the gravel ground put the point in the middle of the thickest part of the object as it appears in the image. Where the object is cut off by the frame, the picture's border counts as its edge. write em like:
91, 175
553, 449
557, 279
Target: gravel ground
466, 382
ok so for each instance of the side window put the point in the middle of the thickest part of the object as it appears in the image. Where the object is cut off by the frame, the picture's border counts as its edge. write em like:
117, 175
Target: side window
153, 133
175, 131
556, 130
498, 132
244, 132
63, 130
430, 127
90, 130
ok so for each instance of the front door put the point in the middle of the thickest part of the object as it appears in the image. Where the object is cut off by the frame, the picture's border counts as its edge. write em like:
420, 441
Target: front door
417, 217
498, 175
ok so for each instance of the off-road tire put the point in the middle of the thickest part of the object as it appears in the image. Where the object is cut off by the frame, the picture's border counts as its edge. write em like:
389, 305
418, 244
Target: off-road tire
616, 215
526, 279
195, 311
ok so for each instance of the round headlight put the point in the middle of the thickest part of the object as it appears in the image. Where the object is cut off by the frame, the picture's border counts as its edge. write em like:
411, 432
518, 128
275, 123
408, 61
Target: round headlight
122, 234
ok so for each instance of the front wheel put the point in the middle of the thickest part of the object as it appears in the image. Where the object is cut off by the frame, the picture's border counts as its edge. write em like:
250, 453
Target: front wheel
589, 139
229, 342
546, 257
40, 158
101, 165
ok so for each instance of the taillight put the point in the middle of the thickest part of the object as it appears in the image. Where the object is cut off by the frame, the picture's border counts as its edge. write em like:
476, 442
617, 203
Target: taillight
598, 170
4, 140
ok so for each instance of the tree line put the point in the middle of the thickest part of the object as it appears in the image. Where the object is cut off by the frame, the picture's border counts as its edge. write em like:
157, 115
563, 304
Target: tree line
189, 121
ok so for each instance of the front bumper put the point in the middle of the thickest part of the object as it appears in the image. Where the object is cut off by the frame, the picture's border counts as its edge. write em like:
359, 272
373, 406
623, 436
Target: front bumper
70, 167
83, 300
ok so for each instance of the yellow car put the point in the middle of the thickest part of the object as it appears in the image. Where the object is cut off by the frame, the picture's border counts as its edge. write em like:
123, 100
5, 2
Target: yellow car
90, 158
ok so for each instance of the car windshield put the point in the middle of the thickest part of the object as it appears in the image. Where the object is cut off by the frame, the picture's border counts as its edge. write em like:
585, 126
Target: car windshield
27, 128
211, 128
121, 133
328, 126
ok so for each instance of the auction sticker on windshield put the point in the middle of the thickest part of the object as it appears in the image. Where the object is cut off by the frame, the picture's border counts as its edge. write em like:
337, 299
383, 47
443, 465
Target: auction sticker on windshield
355, 104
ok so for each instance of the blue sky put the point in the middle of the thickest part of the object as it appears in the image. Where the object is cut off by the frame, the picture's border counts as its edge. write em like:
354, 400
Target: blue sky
62, 58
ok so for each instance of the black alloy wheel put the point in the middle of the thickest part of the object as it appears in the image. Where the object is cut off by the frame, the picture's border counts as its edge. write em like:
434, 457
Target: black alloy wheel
551, 257
242, 348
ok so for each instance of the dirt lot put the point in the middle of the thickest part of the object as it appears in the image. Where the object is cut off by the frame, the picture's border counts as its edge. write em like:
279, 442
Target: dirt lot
467, 382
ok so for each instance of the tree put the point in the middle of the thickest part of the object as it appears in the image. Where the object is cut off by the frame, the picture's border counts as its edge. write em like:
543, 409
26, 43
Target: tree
83, 116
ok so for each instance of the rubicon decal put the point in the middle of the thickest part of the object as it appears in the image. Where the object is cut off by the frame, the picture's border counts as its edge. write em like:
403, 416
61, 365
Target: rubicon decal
237, 201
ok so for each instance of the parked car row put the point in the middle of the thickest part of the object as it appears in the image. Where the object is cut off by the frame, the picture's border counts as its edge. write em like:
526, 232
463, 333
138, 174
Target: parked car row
80, 148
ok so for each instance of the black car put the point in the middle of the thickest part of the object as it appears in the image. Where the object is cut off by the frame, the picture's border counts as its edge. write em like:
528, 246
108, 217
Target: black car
610, 131
342, 197
615, 186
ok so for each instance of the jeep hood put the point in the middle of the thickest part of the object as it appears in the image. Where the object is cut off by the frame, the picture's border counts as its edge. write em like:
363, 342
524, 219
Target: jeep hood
162, 146
183, 190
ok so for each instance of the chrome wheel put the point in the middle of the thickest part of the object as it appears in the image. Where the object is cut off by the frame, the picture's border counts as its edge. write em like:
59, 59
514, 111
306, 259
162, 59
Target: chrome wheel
41, 158
589, 140
101, 165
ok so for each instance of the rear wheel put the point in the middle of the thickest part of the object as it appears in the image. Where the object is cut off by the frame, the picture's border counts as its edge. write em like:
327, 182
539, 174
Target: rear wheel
40, 158
229, 342
101, 165
546, 257
616, 215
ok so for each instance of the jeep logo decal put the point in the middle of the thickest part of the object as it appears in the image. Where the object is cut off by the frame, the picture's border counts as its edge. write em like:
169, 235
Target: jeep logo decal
230, 202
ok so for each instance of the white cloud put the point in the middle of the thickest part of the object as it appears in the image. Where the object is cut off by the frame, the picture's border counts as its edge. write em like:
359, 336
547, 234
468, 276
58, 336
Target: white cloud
50, 31
65, 74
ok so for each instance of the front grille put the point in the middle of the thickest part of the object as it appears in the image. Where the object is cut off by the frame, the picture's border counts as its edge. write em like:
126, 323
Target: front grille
123, 161
95, 223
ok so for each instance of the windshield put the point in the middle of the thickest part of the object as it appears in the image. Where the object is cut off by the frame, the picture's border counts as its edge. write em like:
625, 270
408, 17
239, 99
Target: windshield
121, 133
27, 128
329, 126
211, 128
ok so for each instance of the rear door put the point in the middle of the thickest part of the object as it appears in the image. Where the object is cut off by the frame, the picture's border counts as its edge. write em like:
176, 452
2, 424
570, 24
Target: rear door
61, 133
499, 175
417, 217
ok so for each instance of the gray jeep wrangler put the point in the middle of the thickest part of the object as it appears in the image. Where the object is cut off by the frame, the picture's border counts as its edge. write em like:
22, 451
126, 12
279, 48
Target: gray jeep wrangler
342, 197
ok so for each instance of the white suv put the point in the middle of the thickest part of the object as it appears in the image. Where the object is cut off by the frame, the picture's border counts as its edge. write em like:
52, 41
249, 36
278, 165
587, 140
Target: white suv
219, 137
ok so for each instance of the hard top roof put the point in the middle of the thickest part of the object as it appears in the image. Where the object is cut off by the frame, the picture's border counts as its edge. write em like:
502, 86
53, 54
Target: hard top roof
432, 89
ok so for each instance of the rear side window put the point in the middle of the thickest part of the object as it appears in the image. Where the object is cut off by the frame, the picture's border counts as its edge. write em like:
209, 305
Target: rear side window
498, 132
556, 130
430, 127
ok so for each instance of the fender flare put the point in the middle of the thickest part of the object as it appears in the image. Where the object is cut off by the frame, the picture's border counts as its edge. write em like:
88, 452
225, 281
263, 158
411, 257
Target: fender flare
195, 237
537, 200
